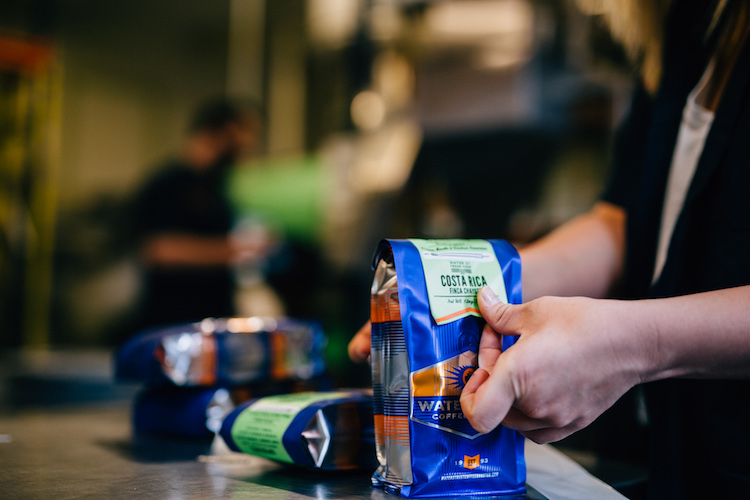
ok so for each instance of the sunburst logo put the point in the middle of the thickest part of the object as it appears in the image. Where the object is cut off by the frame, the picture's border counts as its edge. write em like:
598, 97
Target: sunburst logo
460, 375
436, 392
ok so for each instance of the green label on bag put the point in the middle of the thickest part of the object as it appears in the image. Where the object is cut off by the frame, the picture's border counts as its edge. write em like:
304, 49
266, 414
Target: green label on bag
454, 272
259, 429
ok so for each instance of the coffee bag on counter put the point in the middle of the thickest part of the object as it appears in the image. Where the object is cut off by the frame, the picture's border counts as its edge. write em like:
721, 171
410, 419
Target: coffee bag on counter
223, 352
316, 430
426, 327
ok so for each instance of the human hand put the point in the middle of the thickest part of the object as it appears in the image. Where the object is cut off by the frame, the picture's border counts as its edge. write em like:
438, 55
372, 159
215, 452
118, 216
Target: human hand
359, 346
574, 358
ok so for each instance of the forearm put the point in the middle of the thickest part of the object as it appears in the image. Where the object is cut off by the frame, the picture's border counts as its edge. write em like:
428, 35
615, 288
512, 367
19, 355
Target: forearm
705, 335
581, 258
178, 249
575, 357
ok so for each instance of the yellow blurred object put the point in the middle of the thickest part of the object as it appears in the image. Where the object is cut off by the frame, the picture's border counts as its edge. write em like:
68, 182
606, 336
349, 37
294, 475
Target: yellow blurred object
30, 92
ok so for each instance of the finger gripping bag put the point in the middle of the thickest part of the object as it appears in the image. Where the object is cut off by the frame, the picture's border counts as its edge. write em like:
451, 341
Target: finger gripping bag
426, 327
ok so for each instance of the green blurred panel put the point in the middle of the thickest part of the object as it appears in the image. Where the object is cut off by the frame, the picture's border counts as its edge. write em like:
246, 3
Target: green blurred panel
288, 193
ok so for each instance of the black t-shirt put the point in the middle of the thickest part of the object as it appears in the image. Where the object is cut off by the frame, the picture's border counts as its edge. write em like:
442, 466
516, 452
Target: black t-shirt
699, 428
181, 200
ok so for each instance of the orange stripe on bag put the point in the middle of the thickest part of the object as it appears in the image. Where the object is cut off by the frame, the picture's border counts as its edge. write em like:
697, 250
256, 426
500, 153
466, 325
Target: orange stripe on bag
384, 306
379, 430
207, 362
397, 429
456, 314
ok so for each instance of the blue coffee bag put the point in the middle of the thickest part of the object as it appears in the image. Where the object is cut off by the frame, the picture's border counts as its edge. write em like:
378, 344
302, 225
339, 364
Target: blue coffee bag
426, 327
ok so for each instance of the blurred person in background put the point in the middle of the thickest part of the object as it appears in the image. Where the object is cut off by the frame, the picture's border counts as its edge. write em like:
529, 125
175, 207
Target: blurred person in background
183, 221
671, 233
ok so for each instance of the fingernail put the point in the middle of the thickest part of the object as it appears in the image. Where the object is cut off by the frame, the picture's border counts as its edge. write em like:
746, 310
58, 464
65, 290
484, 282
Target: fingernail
488, 296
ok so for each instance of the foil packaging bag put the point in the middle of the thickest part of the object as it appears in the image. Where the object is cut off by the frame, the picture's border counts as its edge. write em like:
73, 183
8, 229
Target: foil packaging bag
426, 327
195, 412
223, 352
317, 430
198, 412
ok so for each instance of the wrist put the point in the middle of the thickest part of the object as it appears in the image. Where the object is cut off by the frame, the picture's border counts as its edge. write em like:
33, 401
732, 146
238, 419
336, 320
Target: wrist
655, 359
634, 341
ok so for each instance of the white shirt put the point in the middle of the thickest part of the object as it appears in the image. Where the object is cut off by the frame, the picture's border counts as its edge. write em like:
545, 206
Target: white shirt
694, 128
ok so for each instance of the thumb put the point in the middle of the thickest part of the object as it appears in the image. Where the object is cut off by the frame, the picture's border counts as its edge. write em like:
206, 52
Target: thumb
504, 318
487, 398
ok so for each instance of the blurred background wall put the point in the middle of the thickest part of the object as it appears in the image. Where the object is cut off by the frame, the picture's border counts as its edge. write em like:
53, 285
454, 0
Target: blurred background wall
397, 118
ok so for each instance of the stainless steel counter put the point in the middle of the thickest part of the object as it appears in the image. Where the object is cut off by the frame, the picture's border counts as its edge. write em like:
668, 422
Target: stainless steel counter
89, 452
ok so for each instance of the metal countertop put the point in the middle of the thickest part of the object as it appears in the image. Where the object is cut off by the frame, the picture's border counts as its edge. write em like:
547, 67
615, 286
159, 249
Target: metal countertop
90, 452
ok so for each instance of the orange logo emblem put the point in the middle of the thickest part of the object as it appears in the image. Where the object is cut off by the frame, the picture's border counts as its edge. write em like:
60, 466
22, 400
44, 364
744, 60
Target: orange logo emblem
471, 462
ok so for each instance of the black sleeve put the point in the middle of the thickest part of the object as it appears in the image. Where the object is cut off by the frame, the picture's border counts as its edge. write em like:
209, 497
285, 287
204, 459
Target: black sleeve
628, 151
157, 206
